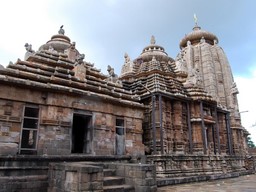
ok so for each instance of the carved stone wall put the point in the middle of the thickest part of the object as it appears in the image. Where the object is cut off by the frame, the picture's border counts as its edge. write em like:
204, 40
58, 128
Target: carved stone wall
55, 123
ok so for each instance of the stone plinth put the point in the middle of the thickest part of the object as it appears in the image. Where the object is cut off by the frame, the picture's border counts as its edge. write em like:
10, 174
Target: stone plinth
64, 177
171, 166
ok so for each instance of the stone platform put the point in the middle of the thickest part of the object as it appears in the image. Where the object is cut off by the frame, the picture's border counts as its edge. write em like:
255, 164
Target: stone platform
238, 184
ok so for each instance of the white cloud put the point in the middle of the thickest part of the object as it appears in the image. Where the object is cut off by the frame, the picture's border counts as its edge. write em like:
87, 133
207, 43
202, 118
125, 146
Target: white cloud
247, 102
27, 21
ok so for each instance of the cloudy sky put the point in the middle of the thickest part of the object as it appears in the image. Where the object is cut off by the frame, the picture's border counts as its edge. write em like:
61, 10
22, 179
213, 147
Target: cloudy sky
105, 29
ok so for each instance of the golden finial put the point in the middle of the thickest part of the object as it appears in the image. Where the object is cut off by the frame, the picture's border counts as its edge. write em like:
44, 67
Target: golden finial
195, 19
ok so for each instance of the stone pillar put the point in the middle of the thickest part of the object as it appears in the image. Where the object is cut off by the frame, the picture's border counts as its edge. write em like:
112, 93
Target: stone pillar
210, 139
161, 124
167, 126
223, 133
157, 124
204, 137
237, 140
153, 123
178, 128
229, 134
196, 129
189, 129
217, 130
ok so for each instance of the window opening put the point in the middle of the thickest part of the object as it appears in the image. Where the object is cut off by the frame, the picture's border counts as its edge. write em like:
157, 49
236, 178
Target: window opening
29, 131
120, 136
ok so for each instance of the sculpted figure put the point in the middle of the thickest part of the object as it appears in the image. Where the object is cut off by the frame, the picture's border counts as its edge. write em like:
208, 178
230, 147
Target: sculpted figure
194, 78
127, 58
181, 63
72, 52
197, 77
112, 76
234, 89
80, 58
61, 30
73, 45
202, 40
128, 64
29, 50
111, 71
51, 49
233, 92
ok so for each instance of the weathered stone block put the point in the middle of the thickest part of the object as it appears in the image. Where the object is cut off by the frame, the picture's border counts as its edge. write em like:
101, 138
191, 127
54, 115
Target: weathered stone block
97, 176
8, 148
71, 176
96, 185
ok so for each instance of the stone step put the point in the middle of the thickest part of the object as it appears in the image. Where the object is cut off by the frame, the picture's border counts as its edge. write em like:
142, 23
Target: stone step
113, 180
24, 183
198, 178
119, 188
109, 172
24, 170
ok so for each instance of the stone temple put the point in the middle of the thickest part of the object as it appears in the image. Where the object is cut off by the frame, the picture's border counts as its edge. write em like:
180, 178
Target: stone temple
65, 126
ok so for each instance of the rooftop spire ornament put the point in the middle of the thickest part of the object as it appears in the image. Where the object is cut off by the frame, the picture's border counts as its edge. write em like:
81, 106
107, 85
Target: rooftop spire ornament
61, 30
195, 19
152, 40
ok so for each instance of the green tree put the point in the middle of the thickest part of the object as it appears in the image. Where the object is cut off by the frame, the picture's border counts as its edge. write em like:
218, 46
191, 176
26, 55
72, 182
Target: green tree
250, 143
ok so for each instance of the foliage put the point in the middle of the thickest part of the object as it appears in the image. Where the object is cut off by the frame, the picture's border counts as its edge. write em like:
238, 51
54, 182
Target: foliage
250, 143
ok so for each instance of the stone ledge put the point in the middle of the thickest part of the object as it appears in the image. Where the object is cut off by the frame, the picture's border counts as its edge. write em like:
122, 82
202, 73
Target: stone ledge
30, 178
70, 157
180, 180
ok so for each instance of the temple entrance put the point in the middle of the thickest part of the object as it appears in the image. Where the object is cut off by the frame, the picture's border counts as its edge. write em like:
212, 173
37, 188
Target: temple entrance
81, 133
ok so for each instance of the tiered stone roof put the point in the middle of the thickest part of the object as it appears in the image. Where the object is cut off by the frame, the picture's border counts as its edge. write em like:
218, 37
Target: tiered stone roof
58, 66
155, 72
198, 93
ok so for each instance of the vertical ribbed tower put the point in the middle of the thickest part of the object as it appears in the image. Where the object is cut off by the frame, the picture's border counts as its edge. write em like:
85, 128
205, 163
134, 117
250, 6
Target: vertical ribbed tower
207, 66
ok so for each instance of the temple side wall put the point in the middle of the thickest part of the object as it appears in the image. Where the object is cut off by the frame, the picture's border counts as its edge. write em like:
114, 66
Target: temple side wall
54, 134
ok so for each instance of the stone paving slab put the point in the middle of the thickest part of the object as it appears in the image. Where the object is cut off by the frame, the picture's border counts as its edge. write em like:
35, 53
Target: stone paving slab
245, 183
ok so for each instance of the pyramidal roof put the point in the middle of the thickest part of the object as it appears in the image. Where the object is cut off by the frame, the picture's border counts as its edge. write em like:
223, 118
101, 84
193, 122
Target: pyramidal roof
58, 66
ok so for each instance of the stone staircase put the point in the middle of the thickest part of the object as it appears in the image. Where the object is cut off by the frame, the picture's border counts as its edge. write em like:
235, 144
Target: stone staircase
114, 183
52, 173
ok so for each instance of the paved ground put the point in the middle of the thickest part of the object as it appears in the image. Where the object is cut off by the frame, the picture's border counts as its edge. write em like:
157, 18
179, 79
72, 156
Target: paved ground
239, 184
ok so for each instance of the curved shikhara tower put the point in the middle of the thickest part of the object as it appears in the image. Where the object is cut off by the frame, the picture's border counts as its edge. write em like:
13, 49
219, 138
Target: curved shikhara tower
205, 64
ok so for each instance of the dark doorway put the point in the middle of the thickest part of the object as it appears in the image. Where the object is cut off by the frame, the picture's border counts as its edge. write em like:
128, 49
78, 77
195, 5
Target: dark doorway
81, 133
